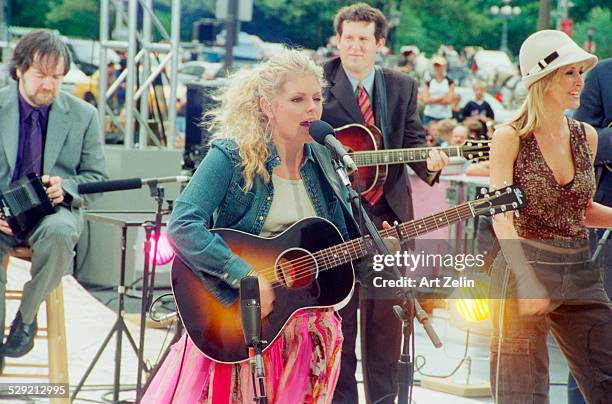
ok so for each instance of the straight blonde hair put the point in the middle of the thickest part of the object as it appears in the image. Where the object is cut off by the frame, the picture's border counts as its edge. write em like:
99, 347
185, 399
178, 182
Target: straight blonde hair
532, 111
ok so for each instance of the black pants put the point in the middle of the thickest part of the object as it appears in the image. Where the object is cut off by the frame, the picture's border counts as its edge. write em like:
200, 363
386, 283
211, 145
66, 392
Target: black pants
380, 338
580, 319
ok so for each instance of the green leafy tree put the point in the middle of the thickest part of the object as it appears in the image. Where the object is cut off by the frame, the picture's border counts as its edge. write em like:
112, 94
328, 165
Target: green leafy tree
77, 18
30, 13
297, 22
191, 11
600, 20
309, 23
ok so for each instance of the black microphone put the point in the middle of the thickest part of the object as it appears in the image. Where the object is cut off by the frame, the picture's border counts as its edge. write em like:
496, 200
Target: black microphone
125, 184
250, 310
323, 133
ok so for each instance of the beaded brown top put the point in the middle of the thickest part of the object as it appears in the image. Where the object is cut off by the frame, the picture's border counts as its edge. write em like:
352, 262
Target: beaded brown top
554, 211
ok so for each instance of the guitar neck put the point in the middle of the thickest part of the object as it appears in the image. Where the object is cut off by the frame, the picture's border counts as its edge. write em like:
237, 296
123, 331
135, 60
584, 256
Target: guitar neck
398, 156
358, 248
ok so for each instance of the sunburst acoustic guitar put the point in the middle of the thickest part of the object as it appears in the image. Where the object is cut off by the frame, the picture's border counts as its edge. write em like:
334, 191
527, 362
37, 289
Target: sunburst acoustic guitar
308, 265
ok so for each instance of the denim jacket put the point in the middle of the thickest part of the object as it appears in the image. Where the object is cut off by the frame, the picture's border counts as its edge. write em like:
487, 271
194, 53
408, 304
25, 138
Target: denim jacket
216, 191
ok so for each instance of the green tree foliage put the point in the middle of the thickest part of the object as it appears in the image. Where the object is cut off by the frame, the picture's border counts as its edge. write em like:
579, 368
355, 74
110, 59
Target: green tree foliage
191, 11
309, 23
31, 13
77, 18
600, 19
304, 22
454, 22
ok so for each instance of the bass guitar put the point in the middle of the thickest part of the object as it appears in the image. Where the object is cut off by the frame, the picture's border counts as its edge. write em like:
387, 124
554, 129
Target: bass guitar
365, 145
308, 265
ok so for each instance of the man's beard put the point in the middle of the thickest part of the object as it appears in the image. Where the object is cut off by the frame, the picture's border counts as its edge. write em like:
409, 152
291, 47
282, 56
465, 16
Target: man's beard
39, 98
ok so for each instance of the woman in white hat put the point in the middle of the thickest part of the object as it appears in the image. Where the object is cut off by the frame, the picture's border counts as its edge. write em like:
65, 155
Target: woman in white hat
542, 279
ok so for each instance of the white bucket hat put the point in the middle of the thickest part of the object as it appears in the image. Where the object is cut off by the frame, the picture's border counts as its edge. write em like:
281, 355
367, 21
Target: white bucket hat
545, 51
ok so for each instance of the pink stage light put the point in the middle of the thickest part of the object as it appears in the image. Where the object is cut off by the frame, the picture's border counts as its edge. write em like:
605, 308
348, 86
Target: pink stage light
165, 253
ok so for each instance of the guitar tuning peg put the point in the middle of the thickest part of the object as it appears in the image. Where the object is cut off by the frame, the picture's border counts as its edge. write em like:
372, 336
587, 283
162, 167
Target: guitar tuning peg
494, 187
503, 208
497, 193
516, 213
514, 205
492, 211
483, 191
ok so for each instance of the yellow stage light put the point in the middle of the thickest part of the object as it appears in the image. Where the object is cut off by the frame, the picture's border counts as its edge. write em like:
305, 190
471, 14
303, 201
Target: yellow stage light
473, 303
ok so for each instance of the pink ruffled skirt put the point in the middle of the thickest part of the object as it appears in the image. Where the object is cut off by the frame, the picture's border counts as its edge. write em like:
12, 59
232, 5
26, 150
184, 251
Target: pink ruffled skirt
301, 366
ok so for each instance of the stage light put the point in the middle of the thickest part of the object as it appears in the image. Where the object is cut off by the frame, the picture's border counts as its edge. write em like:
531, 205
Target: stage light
165, 253
468, 308
473, 303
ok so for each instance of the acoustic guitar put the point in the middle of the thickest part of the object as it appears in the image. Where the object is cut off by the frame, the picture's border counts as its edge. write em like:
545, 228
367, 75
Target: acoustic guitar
365, 145
308, 265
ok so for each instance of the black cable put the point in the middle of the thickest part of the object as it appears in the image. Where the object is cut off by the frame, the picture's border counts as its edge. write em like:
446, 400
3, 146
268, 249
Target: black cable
154, 302
452, 373
361, 219
424, 361
107, 400
178, 379
161, 350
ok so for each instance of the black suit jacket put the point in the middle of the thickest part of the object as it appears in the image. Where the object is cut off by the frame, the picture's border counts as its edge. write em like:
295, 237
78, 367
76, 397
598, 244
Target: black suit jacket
596, 109
404, 126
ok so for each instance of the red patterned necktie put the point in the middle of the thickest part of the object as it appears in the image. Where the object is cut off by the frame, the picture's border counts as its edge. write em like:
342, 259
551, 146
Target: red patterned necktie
364, 105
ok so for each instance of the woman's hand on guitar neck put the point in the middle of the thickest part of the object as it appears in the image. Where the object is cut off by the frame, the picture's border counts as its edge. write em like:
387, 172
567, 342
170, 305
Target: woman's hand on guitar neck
266, 296
392, 243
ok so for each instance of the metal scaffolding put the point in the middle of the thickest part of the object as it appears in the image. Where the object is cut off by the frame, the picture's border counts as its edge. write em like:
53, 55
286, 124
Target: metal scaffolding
142, 68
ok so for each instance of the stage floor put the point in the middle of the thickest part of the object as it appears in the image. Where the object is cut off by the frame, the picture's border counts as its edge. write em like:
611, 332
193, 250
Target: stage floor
89, 321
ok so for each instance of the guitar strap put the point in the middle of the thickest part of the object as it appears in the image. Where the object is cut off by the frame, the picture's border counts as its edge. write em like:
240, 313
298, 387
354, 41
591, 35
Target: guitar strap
380, 103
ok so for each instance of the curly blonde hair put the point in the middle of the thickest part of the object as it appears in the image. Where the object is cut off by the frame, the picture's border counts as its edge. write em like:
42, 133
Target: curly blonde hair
531, 113
239, 116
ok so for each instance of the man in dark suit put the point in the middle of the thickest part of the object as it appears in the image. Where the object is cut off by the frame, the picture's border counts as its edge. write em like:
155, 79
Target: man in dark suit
57, 137
359, 93
596, 110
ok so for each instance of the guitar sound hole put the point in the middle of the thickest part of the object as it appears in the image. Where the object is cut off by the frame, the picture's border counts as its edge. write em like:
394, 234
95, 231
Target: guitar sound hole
296, 268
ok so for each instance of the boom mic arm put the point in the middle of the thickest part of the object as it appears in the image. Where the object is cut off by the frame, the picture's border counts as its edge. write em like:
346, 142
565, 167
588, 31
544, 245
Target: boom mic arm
126, 184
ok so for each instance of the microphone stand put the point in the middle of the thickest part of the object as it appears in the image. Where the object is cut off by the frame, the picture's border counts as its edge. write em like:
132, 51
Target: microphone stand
405, 312
257, 371
152, 232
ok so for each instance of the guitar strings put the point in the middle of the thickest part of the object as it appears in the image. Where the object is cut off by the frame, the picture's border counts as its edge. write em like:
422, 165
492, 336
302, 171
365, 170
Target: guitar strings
302, 267
415, 150
305, 270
